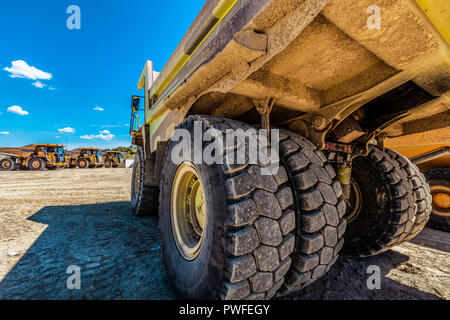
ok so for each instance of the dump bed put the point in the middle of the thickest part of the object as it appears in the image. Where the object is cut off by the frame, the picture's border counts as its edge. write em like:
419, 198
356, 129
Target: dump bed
10, 151
332, 56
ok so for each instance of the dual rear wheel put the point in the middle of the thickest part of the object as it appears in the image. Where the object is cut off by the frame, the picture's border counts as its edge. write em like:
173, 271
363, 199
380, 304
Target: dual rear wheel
231, 231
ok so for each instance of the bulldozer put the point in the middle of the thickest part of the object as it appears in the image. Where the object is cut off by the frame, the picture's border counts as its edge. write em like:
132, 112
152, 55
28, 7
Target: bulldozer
85, 158
112, 158
430, 152
317, 86
34, 157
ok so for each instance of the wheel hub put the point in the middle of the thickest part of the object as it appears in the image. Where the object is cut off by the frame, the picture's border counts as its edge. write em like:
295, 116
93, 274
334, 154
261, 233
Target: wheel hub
188, 211
441, 200
354, 202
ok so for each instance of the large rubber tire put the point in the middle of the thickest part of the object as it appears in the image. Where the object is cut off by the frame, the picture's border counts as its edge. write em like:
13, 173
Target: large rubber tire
108, 164
144, 199
440, 217
82, 163
421, 192
320, 211
388, 209
7, 164
248, 235
36, 164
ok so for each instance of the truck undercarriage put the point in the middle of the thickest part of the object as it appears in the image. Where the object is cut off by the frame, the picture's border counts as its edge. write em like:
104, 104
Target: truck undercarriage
336, 85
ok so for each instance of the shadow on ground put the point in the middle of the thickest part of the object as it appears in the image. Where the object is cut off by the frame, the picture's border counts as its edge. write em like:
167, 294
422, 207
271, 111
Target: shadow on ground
120, 258
347, 280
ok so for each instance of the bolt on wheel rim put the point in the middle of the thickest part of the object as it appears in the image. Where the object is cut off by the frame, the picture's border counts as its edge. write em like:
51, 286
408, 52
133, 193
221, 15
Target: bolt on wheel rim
188, 211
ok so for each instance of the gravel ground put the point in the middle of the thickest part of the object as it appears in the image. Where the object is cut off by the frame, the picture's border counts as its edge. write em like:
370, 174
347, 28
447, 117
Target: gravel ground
51, 220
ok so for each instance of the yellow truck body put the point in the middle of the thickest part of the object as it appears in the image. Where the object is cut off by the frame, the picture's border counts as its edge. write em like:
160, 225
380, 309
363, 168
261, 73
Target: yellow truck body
315, 57
85, 157
51, 156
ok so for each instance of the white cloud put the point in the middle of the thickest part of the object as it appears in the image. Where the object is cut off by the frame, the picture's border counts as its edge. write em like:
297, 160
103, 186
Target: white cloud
66, 130
97, 108
104, 135
51, 88
38, 84
57, 137
18, 110
5, 133
21, 69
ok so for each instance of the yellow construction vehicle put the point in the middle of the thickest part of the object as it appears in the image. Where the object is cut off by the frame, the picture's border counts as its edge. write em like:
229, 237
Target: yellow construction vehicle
112, 158
323, 83
430, 151
33, 157
85, 158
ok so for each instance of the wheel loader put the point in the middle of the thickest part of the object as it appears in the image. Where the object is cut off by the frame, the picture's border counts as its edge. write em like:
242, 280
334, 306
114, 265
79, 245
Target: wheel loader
430, 151
34, 157
112, 158
317, 86
85, 158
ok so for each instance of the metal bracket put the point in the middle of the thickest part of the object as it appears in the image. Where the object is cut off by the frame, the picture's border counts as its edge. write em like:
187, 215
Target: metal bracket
380, 139
264, 108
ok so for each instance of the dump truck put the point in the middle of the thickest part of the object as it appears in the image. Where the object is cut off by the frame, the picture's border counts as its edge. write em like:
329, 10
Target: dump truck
317, 86
430, 151
112, 158
33, 157
85, 158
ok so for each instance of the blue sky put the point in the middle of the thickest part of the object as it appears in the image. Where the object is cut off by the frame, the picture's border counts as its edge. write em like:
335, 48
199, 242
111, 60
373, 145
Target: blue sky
59, 75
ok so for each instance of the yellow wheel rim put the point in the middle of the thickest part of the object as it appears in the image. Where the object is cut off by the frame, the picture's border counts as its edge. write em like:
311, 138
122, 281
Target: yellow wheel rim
355, 202
137, 178
6, 164
188, 211
35, 164
441, 200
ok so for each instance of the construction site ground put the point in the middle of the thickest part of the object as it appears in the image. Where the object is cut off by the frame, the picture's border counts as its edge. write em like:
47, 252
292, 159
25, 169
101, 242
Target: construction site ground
51, 221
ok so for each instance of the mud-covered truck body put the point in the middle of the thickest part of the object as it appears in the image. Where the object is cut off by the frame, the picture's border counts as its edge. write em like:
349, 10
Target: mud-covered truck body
85, 158
112, 159
324, 82
33, 157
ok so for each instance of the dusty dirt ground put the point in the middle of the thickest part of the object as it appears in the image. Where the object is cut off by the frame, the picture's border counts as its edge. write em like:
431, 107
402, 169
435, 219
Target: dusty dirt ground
53, 219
